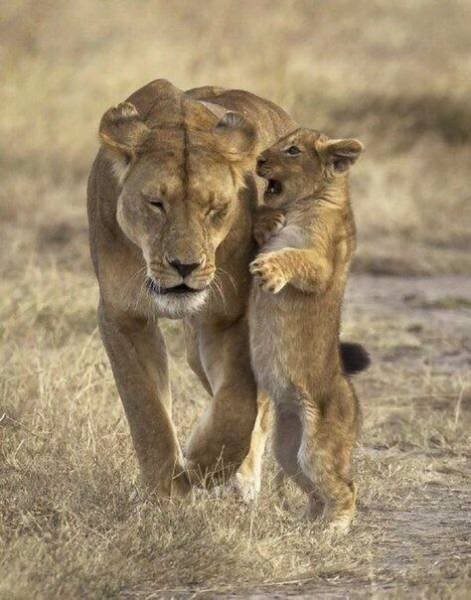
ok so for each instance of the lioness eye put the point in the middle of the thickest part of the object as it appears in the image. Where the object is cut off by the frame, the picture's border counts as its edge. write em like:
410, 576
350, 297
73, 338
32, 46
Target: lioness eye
157, 204
153, 200
293, 150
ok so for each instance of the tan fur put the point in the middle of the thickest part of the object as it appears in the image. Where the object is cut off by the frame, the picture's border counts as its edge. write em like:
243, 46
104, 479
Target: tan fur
175, 181
295, 308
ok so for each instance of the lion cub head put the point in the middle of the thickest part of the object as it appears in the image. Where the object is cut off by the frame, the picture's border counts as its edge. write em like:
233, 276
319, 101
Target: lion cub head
305, 163
179, 179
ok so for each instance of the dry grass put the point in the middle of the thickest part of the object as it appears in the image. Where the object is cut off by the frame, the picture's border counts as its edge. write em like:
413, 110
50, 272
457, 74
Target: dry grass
73, 522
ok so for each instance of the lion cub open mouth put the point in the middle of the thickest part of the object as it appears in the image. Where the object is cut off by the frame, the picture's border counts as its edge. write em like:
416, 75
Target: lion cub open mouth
274, 187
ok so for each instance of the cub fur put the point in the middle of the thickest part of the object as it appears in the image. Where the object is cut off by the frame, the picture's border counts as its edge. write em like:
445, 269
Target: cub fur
308, 235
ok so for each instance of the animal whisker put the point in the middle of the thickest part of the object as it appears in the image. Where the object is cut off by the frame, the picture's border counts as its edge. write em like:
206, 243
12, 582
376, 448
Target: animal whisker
228, 275
219, 288
127, 288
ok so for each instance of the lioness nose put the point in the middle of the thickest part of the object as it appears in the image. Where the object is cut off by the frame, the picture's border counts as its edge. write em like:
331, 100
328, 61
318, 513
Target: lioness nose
184, 269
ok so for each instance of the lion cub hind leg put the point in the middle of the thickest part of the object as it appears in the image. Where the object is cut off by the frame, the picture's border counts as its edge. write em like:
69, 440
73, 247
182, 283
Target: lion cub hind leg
325, 456
337, 492
287, 437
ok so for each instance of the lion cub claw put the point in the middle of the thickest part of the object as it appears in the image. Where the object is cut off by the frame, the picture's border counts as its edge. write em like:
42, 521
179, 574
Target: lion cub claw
268, 270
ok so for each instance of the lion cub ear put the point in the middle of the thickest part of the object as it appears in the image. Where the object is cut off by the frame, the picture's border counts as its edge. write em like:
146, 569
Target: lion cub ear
339, 155
122, 132
235, 136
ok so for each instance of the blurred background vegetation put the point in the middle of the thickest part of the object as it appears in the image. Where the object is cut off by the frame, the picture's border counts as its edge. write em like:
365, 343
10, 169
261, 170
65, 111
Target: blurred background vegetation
396, 75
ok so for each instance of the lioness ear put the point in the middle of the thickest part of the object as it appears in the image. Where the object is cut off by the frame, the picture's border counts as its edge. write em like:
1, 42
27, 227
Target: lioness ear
340, 155
235, 135
123, 132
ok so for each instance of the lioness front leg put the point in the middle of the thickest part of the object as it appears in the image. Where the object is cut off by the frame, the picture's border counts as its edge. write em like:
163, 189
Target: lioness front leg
307, 270
138, 357
248, 479
221, 439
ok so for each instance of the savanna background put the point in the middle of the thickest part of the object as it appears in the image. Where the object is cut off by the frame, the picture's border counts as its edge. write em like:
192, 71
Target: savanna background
73, 519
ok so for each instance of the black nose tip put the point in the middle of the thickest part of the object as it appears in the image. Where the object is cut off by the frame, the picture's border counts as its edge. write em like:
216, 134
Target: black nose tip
183, 269
261, 161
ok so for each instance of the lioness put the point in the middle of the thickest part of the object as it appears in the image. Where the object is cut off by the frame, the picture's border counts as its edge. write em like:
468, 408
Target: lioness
295, 316
170, 201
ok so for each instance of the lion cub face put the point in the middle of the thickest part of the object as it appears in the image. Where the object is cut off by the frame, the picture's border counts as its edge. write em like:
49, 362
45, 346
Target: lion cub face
178, 198
303, 164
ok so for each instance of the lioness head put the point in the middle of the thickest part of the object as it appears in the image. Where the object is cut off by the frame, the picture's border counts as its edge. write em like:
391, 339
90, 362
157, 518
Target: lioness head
304, 163
178, 199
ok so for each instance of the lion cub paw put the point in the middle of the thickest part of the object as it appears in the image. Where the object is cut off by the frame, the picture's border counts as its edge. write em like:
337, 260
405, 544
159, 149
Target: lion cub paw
266, 268
267, 225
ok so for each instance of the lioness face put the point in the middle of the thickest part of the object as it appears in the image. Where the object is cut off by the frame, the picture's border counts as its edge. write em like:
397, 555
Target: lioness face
178, 202
303, 163
178, 222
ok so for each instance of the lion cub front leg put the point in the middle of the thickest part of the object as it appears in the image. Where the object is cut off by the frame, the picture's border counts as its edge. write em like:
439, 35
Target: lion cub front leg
269, 272
306, 270
267, 223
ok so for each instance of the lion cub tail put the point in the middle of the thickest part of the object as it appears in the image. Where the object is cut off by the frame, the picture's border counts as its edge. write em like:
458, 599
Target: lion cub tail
355, 358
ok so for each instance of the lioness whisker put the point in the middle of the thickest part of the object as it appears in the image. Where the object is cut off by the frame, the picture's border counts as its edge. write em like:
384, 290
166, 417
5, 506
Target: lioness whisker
228, 275
141, 292
219, 289
128, 284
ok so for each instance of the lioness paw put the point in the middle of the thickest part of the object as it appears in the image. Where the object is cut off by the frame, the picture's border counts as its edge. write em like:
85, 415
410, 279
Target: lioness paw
267, 225
267, 270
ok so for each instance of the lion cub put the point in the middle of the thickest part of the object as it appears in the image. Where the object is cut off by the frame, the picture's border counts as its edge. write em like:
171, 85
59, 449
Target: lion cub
307, 236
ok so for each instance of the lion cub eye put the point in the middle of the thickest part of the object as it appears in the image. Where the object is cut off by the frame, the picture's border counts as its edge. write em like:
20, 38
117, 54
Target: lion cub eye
293, 150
